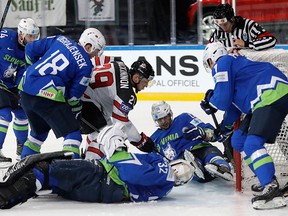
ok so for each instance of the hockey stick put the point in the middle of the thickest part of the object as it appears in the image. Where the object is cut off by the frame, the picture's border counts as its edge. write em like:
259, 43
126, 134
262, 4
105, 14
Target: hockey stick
5, 14
4, 88
225, 143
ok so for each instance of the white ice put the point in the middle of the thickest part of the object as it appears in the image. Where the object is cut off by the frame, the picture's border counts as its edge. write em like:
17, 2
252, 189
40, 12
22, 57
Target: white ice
217, 198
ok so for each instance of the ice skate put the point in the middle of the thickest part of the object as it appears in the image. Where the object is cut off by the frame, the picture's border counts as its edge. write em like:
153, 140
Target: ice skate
19, 151
4, 161
219, 171
271, 197
256, 189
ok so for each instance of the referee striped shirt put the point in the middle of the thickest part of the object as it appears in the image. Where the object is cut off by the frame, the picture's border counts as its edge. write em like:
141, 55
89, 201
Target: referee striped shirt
254, 35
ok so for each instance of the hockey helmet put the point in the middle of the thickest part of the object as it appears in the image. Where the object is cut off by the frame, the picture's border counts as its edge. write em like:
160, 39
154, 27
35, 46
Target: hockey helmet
213, 51
112, 138
144, 68
27, 26
160, 110
94, 37
223, 13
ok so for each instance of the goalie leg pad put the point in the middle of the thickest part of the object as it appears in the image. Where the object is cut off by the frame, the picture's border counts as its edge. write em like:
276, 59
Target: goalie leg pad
18, 192
11, 174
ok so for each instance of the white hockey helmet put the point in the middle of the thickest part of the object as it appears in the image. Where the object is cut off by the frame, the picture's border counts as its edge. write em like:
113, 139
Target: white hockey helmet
160, 109
28, 26
112, 138
213, 51
94, 37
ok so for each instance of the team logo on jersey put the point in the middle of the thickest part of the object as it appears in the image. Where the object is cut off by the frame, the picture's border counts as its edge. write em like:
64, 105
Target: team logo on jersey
85, 81
169, 152
221, 77
245, 36
9, 72
125, 108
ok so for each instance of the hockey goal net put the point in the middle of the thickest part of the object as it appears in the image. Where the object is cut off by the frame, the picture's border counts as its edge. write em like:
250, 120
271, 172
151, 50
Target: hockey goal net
279, 150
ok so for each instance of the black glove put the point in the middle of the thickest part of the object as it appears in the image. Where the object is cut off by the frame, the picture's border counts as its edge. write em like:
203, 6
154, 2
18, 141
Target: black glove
205, 105
76, 108
224, 133
145, 144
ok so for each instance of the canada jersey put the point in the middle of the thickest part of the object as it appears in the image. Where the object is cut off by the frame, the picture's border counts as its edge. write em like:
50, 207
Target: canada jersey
147, 176
60, 69
111, 91
12, 58
246, 84
170, 142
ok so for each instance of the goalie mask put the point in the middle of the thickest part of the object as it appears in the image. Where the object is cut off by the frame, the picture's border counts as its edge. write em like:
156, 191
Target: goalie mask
27, 27
213, 51
112, 138
95, 38
160, 110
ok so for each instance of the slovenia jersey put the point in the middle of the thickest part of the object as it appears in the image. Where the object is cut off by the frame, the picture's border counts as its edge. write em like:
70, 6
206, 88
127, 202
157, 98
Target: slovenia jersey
146, 176
246, 84
171, 143
60, 70
12, 58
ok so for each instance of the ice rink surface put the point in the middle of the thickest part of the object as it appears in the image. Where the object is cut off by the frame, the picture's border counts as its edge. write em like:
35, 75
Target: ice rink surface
217, 198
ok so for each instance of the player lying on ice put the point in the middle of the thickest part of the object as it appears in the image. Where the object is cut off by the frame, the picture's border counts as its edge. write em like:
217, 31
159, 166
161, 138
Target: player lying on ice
120, 176
187, 132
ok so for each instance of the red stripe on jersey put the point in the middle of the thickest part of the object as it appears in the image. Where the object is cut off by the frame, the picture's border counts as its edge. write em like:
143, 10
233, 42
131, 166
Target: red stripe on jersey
97, 61
120, 118
96, 151
107, 59
86, 96
266, 34
116, 116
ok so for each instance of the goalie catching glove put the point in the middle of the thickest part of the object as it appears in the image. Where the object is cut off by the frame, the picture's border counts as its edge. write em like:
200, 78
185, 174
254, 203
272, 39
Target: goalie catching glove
183, 171
146, 144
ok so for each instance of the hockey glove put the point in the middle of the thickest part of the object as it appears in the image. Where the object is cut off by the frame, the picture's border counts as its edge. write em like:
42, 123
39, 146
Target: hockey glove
208, 109
145, 144
76, 107
224, 133
193, 133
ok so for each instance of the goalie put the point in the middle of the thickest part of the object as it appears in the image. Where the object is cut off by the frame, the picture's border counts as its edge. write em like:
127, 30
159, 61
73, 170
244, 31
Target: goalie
121, 176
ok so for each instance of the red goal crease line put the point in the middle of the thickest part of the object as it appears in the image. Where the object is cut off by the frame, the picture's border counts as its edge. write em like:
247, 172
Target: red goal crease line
170, 96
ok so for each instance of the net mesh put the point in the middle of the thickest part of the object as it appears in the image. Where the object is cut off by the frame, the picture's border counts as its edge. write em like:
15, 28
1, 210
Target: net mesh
279, 150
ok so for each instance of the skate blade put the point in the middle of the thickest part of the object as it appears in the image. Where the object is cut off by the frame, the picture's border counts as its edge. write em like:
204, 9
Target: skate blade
277, 202
212, 169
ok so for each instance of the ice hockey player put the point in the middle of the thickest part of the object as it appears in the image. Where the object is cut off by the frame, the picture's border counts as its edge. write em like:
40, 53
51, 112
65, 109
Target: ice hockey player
109, 98
52, 86
121, 176
236, 31
259, 90
12, 67
187, 132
